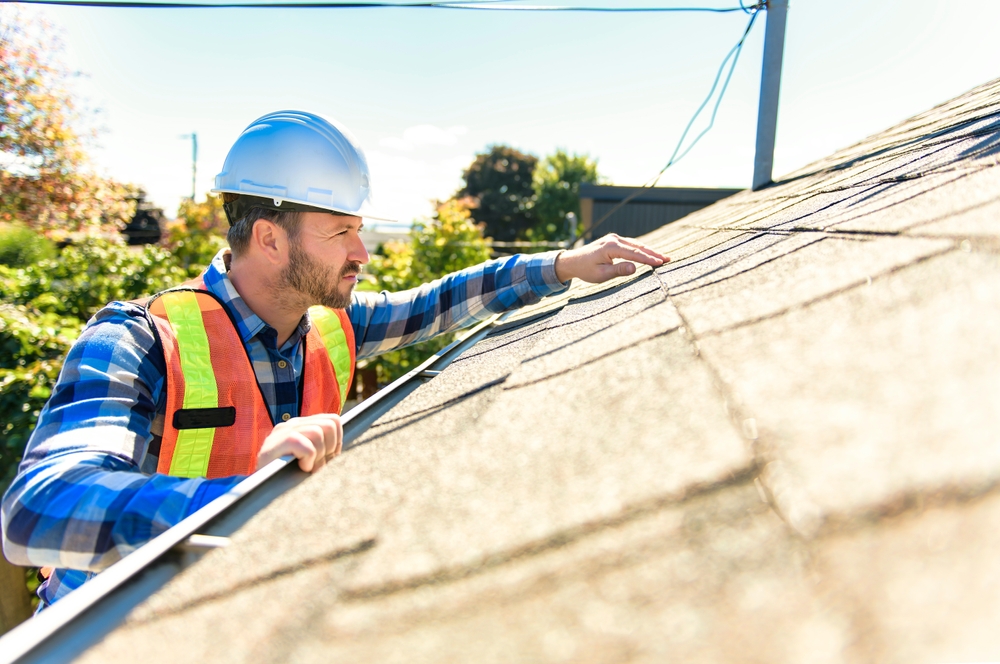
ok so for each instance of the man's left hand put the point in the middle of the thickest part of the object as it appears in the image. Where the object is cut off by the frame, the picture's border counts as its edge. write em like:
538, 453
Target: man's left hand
595, 262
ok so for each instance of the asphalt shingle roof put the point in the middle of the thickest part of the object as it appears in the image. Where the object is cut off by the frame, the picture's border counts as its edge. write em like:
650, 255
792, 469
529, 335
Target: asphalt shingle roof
782, 446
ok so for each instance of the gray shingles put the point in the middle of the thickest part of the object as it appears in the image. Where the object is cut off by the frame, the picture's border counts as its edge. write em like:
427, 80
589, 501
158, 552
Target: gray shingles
663, 585
552, 455
915, 204
567, 348
879, 391
799, 277
745, 252
925, 587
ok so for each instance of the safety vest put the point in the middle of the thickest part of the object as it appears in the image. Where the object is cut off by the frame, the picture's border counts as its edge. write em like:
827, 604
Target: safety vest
216, 418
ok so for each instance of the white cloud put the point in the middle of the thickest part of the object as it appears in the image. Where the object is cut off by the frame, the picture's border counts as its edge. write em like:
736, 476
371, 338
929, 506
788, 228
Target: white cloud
425, 134
404, 186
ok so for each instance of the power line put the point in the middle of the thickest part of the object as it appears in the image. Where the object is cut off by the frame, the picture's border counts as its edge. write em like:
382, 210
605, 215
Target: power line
471, 6
734, 54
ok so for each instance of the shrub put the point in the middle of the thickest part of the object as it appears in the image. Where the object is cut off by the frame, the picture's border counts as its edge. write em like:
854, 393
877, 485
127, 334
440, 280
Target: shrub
84, 277
32, 347
445, 244
198, 234
21, 246
45, 306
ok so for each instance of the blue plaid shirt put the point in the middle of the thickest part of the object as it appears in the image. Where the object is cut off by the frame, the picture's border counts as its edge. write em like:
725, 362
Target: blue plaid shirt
87, 492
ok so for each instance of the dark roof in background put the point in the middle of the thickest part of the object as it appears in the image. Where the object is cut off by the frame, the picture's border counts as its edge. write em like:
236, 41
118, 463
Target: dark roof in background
781, 447
611, 209
604, 192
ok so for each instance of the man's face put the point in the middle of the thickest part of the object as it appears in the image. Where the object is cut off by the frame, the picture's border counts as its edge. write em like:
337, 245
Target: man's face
324, 260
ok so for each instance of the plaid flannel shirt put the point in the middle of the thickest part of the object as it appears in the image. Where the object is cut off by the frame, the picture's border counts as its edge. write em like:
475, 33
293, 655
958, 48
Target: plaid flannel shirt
87, 492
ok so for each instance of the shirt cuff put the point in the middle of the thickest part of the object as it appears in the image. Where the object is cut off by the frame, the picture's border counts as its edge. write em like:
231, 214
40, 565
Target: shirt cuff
542, 274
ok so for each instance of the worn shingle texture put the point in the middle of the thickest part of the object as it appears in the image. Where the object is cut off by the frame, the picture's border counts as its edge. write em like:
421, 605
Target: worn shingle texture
783, 446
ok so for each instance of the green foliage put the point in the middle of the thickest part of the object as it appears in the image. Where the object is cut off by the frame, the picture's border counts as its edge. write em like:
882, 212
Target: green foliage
32, 347
556, 183
445, 244
499, 182
198, 234
517, 197
45, 178
21, 246
86, 276
44, 308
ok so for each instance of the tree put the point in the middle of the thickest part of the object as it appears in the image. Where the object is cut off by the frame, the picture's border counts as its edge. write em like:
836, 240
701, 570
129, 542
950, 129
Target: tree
198, 233
500, 183
445, 244
556, 184
45, 179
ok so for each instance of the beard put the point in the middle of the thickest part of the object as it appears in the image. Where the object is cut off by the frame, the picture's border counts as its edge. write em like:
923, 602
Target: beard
315, 282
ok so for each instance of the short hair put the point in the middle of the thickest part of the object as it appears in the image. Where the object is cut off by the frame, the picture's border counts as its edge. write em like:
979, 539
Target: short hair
241, 231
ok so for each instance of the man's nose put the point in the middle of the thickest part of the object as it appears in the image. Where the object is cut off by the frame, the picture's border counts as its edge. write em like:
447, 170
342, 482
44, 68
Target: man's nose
357, 251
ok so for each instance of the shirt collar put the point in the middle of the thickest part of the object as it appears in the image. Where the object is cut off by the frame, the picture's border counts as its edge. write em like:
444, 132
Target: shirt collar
248, 323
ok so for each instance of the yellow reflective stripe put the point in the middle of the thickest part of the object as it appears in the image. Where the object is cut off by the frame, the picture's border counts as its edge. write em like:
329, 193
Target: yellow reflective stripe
194, 446
328, 325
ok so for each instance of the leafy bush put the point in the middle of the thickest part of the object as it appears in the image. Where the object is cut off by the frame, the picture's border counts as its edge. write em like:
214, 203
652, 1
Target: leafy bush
86, 276
45, 307
445, 244
32, 348
20, 246
198, 234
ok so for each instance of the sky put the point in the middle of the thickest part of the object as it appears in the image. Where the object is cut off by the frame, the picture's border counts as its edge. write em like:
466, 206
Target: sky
424, 90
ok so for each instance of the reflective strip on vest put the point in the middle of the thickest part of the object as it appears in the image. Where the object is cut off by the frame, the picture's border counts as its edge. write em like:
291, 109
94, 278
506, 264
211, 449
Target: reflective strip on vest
194, 446
331, 331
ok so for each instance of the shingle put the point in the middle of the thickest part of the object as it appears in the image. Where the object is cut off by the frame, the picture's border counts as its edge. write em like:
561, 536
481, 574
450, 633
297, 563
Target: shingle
715, 577
876, 393
569, 347
975, 222
672, 586
745, 252
492, 361
915, 205
813, 272
555, 454
925, 587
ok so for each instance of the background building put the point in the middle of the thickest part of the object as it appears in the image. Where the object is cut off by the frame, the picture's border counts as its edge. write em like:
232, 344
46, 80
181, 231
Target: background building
651, 209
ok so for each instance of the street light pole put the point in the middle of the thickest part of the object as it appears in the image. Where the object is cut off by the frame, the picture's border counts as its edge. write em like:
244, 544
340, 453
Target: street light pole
770, 83
194, 161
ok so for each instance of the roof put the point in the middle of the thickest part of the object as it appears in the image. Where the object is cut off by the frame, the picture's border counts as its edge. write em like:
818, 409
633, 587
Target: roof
781, 446
703, 195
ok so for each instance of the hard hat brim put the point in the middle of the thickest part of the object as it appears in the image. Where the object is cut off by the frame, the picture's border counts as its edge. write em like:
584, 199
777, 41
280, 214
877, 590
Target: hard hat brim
237, 209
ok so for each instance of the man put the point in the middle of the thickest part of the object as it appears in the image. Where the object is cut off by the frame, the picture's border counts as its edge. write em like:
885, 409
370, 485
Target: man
165, 404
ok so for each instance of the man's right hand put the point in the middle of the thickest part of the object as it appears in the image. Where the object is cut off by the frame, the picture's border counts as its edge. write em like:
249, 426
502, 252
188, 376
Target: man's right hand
312, 440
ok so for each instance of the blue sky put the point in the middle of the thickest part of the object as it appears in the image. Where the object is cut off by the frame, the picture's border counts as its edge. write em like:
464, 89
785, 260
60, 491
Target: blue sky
424, 90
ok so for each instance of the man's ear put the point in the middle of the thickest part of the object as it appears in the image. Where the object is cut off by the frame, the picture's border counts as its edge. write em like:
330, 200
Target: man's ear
271, 241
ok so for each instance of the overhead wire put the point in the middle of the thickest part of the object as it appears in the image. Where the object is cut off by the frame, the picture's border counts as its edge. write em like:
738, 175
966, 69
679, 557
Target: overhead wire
734, 55
470, 5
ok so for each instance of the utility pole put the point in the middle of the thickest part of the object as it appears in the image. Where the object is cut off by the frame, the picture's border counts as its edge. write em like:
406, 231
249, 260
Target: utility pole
194, 160
770, 83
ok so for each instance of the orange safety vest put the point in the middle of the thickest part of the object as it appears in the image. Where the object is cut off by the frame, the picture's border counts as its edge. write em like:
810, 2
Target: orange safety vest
216, 418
